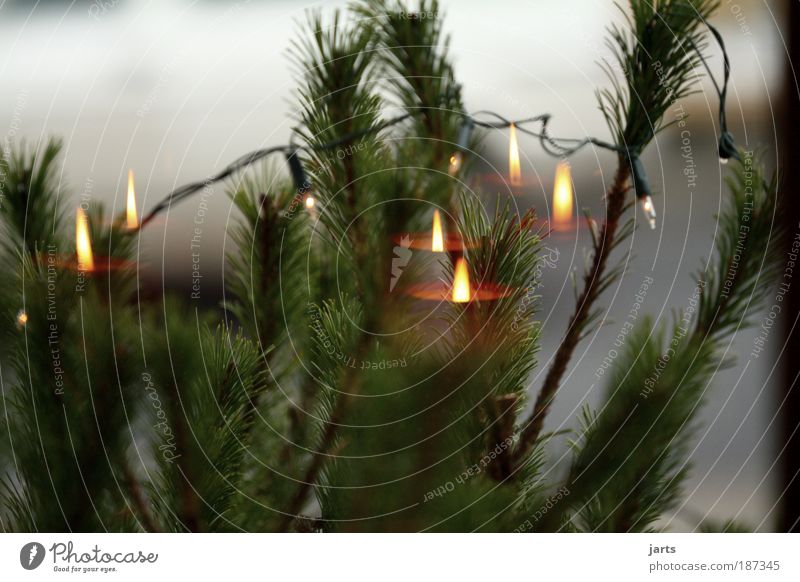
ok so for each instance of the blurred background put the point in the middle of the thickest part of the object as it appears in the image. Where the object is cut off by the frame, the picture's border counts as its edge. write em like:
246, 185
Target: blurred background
175, 90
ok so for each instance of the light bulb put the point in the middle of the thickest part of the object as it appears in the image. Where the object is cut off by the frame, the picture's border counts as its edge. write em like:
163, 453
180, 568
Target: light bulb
455, 163
649, 211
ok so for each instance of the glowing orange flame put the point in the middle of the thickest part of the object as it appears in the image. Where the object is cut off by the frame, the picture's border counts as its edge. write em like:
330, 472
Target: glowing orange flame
83, 242
461, 289
132, 215
514, 170
562, 195
437, 239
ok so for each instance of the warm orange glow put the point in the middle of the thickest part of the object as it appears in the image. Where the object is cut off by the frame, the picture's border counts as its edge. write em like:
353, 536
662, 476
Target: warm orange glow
455, 163
83, 242
22, 318
461, 289
132, 215
514, 171
310, 202
562, 195
437, 239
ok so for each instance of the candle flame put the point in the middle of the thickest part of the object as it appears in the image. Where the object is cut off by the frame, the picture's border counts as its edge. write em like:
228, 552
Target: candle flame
461, 288
437, 242
562, 195
514, 170
83, 242
132, 215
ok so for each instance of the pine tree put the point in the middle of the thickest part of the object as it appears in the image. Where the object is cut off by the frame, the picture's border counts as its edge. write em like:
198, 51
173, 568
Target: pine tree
326, 399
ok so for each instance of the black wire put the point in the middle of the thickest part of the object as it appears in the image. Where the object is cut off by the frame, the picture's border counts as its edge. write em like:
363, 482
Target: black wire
723, 92
556, 147
248, 159
187, 190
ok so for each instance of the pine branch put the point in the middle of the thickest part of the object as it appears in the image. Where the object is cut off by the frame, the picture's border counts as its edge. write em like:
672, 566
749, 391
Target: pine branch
73, 374
267, 271
143, 515
658, 56
29, 197
414, 56
336, 341
502, 250
206, 385
405, 456
658, 383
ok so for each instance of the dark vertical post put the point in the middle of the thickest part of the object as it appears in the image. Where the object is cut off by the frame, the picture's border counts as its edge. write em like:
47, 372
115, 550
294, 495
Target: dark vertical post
790, 387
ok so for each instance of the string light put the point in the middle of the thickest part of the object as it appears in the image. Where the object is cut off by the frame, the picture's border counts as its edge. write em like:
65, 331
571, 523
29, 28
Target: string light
726, 146
642, 189
22, 319
649, 211
455, 163
559, 147
301, 183
464, 134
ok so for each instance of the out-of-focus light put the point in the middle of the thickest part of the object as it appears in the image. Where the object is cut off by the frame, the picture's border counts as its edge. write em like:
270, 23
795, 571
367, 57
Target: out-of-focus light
461, 288
514, 169
132, 216
562, 195
83, 242
649, 211
437, 236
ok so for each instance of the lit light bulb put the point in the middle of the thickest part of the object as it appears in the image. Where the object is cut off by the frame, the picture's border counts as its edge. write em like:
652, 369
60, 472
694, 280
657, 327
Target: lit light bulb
22, 318
562, 195
437, 236
464, 133
455, 163
83, 242
310, 202
461, 288
132, 217
514, 170
649, 211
